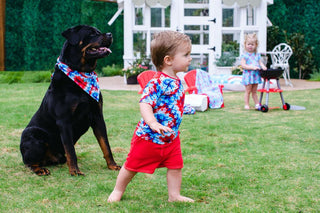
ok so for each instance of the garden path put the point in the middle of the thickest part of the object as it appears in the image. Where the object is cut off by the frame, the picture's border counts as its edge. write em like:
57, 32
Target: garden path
118, 83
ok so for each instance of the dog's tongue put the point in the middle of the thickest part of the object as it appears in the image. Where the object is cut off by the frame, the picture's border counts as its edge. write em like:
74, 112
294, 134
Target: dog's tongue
105, 49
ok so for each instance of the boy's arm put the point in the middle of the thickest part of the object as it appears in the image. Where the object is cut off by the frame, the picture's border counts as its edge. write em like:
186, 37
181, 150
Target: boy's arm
146, 111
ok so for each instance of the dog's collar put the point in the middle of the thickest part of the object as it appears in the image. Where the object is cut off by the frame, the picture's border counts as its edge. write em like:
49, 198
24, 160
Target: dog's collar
89, 82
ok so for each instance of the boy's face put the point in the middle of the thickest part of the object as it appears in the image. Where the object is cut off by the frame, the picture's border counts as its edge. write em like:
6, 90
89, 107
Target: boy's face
182, 58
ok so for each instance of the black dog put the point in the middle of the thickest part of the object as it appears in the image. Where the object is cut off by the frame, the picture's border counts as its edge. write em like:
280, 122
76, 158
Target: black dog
71, 105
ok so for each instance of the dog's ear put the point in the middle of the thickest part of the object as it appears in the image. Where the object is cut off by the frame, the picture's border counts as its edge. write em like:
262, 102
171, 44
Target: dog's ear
72, 35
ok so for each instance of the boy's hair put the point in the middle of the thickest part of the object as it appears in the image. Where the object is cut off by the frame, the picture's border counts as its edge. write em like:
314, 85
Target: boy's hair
166, 43
251, 37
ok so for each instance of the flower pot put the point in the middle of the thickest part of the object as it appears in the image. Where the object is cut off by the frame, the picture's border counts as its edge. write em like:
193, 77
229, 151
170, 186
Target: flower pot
132, 79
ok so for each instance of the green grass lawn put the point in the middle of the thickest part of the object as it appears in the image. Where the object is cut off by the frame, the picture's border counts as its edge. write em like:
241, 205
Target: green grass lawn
234, 160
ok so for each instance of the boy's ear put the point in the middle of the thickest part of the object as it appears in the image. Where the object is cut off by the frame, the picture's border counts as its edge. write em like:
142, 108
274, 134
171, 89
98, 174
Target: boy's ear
167, 60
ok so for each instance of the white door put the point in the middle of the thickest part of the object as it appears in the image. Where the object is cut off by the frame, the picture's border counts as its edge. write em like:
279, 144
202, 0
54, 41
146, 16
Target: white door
200, 22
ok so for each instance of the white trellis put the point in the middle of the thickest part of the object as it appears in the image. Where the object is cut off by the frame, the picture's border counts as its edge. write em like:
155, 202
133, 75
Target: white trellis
209, 23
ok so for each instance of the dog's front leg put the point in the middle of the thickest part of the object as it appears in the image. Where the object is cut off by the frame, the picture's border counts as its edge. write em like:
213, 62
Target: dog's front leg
100, 131
67, 141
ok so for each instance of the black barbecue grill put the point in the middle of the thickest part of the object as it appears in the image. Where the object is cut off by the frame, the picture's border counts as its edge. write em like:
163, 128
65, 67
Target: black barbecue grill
271, 73
267, 75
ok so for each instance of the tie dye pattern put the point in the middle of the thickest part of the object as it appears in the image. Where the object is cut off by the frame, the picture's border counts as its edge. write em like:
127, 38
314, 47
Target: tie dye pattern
166, 96
89, 82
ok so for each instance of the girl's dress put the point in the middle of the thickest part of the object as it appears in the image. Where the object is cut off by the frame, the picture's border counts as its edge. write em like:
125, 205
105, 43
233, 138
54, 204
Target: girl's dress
251, 76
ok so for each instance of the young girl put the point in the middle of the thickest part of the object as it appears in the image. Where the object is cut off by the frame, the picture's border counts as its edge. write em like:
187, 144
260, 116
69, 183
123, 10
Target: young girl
156, 142
251, 64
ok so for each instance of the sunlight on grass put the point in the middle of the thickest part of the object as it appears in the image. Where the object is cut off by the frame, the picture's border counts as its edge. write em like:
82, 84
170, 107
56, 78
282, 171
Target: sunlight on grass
235, 160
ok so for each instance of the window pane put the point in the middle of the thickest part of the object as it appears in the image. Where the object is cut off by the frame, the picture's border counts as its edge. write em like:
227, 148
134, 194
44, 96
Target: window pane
230, 45
196, 12
206, 38
227, 17
191, 27
138, 16
139, 42
193, 2
199, 61
199, 34
167, 16
156, 18
250, 16
226, 38
195, 38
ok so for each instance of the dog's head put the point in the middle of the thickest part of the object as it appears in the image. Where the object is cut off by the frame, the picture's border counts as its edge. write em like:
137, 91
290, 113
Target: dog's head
84, 45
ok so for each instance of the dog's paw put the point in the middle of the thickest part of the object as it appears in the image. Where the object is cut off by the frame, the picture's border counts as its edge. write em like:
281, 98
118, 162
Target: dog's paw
114, 167
43, 171
76, 173
39, 170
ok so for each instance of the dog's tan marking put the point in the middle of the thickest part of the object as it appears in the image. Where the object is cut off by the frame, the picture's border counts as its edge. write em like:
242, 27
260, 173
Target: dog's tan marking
106, 155
73, 108
38, 170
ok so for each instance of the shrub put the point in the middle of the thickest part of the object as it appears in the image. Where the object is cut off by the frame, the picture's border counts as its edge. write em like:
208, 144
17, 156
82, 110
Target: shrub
111, 70
230, 52
226, 59
10, 77
315, 76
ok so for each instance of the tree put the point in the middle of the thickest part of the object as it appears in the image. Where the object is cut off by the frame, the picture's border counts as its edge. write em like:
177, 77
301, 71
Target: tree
302, 54
298, 18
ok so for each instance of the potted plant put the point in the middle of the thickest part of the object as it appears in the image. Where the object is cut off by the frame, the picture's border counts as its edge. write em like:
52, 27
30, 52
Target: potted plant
230, 52
138, 66
237, 70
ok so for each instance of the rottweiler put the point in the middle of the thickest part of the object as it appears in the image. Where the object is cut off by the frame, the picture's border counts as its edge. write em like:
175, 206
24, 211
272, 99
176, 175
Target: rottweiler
72, 104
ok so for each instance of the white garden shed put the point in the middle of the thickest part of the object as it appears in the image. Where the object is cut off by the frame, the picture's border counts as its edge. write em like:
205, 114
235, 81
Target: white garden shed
209, 23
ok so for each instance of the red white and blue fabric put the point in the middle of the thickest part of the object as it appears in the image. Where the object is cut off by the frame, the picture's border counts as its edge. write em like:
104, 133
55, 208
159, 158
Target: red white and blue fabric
89, 82
166, 96
205, 85
251, 76
188, 109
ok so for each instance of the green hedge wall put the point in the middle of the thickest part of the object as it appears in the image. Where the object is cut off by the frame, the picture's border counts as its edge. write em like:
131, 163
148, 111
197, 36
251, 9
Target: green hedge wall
298, 17
33, 30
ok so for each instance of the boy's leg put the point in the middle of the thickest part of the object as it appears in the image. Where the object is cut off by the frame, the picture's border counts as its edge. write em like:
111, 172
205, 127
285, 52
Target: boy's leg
174, 178
124, 177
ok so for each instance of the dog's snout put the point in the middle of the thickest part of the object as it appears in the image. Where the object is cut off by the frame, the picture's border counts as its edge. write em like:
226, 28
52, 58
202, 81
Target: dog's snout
109, 35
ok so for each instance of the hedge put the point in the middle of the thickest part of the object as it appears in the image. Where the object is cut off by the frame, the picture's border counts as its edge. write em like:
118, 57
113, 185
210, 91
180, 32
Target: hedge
33, 30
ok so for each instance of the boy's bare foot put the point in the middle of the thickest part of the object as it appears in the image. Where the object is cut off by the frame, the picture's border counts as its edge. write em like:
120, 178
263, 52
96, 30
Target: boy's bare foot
115, 196
180, 198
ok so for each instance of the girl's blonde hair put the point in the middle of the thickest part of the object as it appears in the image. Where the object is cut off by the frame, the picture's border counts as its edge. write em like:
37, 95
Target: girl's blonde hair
166, 43
251, 37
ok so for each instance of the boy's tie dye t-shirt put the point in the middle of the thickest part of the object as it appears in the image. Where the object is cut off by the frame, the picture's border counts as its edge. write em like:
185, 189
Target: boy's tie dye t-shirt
166, 96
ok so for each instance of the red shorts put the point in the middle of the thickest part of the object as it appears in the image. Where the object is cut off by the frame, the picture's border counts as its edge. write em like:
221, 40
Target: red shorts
145, 156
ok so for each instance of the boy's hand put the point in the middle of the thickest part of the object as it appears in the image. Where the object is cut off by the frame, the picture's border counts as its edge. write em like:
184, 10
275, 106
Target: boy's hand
157, 127
148, 116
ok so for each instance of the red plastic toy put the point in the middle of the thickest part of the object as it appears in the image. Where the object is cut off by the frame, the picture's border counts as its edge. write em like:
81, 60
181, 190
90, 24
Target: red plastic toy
267, 75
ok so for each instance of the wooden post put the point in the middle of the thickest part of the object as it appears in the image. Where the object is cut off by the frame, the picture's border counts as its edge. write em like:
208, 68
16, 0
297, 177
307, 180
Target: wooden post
2, 33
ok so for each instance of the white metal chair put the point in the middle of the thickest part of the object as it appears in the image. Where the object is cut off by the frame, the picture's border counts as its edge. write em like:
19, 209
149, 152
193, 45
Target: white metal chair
280, 59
